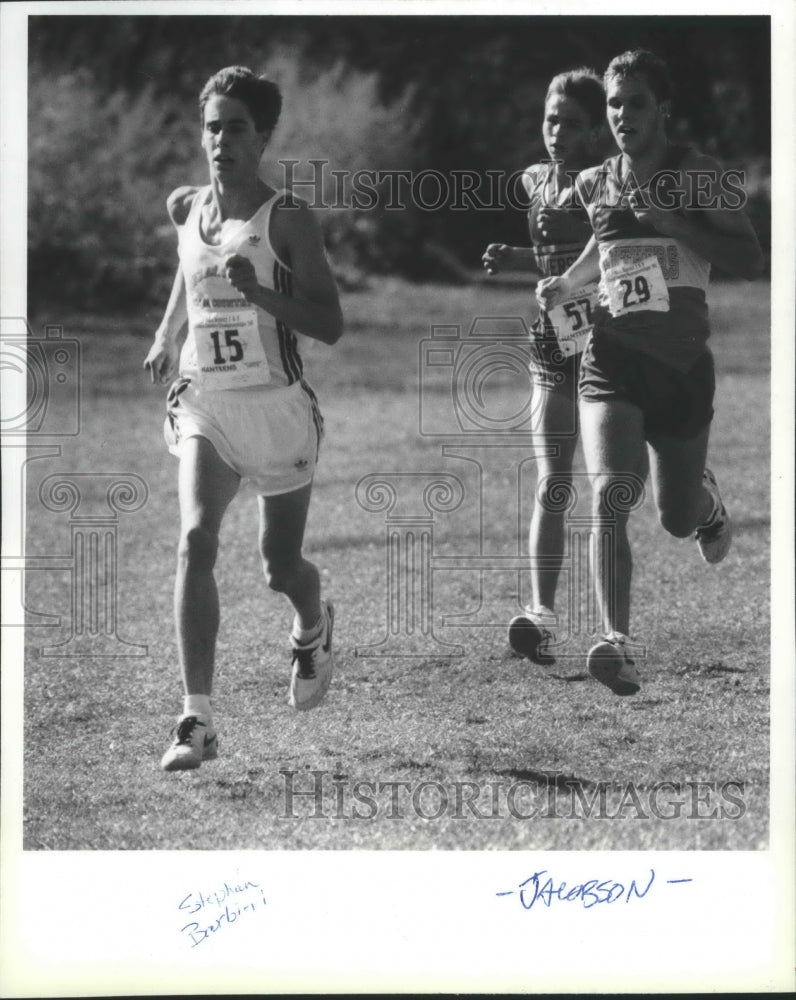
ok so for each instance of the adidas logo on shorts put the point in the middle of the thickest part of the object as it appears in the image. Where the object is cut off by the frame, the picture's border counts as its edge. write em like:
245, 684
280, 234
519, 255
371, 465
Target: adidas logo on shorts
302, 463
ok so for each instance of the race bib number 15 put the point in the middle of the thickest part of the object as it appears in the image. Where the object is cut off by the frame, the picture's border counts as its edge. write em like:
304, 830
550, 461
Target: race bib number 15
229, 351
636, 287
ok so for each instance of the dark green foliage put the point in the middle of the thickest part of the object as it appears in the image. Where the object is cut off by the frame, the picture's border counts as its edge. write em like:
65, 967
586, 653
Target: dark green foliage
112, 133
100, 168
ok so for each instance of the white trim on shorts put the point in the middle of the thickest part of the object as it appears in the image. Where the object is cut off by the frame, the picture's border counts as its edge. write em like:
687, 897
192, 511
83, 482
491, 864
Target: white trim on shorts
270, 437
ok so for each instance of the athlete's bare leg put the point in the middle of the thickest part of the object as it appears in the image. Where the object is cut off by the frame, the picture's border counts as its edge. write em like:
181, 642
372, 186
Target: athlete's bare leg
282, 522
676, 468
612, 432
555, 439
206, 488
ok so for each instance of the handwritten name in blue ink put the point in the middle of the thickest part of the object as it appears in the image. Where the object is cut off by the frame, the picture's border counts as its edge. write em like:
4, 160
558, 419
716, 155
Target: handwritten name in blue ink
223, 907
593, 892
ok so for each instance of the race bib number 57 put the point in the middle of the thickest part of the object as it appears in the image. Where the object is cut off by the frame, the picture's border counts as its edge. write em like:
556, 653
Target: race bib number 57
636, 287
229, 351
573, 321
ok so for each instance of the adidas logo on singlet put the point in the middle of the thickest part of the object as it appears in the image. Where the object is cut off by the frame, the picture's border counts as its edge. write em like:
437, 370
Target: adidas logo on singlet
254, 239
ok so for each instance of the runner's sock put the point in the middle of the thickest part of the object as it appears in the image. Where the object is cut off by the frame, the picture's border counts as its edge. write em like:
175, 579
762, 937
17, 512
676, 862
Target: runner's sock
197, 704
305, 636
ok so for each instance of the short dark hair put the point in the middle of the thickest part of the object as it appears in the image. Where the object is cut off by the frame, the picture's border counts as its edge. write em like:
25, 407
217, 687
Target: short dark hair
261, 96
584, 86
642, 62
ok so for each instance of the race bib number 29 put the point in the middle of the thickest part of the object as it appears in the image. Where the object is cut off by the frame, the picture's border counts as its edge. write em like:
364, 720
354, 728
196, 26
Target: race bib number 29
229, 351
573, 321
636, 287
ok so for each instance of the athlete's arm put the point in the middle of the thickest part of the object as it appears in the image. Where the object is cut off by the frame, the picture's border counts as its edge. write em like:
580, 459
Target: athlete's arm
314, 307
557, 225
723, 236
551, 291
164, 355
501, 257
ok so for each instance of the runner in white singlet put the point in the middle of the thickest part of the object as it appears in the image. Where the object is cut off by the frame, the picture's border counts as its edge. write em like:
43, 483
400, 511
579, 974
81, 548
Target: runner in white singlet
253, 281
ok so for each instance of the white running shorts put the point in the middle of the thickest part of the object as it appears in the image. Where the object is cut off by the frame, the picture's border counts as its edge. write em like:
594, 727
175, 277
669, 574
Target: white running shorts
270, 437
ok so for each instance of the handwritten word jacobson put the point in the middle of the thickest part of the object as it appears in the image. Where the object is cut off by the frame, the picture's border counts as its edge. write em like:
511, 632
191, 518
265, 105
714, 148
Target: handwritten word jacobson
237, 901
588, 894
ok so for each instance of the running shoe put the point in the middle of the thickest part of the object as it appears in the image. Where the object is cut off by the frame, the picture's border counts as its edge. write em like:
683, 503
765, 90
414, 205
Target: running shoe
312, 665
193, 743
529, 636
610, 664
715, 536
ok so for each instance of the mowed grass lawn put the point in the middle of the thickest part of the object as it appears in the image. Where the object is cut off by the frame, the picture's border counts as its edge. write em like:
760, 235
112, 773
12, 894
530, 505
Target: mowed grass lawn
95, 728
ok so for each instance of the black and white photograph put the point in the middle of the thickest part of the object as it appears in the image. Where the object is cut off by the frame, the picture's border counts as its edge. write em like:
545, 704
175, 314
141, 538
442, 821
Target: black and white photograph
397, 449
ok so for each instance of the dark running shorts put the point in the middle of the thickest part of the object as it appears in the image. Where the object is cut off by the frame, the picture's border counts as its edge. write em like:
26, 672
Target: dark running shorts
674, 404
550, 369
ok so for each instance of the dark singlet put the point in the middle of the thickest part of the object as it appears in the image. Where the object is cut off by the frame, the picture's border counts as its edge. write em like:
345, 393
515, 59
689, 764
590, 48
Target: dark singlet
652, 287
572, 321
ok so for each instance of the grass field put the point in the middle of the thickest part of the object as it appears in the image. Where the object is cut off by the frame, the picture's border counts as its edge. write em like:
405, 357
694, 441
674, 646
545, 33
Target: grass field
95, 727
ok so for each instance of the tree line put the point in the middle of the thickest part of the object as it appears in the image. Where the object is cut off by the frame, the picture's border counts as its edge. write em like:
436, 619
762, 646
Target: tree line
113, 124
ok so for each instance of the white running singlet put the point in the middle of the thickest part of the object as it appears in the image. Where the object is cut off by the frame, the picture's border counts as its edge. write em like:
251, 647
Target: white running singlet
232, 344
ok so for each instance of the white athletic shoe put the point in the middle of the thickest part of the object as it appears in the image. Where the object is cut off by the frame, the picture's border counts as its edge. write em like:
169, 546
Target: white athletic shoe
610, 664
529, 635
312, 666
715, 536
194, 742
